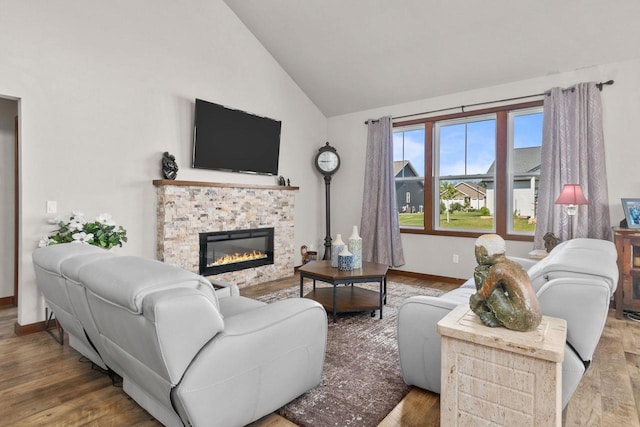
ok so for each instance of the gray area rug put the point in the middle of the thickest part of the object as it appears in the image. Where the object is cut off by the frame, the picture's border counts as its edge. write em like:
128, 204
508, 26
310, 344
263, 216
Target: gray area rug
361, 382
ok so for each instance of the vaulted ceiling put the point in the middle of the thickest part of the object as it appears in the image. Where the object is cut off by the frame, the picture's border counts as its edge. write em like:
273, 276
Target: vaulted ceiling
354, 55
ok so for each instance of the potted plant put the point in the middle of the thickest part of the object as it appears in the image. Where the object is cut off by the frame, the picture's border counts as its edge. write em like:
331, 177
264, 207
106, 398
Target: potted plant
102, 231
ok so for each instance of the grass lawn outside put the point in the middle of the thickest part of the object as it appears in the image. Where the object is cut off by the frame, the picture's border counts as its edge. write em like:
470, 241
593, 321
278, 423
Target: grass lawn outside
464, 220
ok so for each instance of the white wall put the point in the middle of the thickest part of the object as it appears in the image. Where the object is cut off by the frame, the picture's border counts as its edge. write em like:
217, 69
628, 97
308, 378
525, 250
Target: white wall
433, 254
107, 87
8, 112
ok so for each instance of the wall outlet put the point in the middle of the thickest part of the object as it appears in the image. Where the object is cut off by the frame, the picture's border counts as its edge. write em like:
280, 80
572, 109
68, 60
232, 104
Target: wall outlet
456, 258
52, 206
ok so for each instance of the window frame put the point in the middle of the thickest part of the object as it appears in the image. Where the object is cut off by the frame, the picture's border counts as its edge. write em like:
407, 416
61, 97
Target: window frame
502, 173
410, 128
511, 116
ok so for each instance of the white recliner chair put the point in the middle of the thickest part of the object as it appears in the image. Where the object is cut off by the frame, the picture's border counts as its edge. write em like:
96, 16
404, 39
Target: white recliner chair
574, 282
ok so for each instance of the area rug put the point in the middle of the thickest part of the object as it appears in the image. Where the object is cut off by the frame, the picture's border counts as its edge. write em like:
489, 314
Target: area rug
361, 382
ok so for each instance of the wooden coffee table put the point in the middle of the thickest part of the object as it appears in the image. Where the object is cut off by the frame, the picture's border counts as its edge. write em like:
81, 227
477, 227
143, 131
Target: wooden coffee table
349, 298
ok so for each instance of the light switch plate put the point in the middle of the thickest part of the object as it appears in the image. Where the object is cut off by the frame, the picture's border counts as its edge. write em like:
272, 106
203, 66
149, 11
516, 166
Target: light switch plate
52, 206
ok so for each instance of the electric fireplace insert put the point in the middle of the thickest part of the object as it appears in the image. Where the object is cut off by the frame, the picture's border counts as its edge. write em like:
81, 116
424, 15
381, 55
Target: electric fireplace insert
225, 251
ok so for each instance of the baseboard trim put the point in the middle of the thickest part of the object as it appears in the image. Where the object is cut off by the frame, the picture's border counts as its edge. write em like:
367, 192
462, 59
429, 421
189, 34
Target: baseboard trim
32, 328
7, 302
430, 277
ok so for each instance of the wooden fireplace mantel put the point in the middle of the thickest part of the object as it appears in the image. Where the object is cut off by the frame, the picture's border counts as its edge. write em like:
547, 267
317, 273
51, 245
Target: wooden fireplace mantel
165, 182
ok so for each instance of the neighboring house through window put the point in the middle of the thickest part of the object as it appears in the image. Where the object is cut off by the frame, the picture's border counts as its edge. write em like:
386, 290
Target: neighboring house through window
409, 187
473, 196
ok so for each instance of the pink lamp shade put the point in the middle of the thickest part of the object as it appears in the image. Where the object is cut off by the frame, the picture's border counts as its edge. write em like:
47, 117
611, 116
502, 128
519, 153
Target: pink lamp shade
571, 195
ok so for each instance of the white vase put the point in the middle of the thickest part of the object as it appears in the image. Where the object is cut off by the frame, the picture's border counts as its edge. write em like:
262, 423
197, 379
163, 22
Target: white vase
336, 248
355, 247
345, 260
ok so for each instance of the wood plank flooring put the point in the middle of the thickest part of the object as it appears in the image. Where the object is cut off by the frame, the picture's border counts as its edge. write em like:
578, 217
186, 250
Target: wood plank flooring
44, 383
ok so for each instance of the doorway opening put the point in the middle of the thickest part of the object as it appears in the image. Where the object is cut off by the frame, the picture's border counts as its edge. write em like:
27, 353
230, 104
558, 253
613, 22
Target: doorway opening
10, 198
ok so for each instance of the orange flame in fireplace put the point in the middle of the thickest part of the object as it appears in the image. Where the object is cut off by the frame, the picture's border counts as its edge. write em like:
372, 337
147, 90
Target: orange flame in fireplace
238, 257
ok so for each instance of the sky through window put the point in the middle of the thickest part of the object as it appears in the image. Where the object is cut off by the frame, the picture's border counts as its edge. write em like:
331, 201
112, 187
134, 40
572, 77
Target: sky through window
409, 144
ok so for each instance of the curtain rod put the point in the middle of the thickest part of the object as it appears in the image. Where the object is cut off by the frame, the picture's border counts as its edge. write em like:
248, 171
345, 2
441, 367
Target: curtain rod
462, 107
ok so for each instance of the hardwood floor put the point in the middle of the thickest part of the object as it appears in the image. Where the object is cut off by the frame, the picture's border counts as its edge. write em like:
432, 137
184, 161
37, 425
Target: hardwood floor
44, 383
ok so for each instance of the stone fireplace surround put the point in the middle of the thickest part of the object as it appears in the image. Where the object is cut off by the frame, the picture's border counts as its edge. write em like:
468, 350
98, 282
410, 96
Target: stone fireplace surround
188, 208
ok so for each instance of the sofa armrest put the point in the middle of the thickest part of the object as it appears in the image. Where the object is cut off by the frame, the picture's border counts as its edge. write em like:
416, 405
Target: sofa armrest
184, 320
419, 341
524, 262
224, 289
262, 360
584, 304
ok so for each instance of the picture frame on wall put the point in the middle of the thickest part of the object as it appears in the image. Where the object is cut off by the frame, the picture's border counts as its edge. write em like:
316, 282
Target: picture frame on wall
631, 209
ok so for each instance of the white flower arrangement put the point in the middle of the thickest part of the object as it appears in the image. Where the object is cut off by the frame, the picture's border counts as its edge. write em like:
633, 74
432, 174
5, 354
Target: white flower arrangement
102, 232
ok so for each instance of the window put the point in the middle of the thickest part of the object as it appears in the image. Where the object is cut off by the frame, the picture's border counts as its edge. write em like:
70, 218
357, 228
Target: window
470, 173
464, 169
525, 143
408, 168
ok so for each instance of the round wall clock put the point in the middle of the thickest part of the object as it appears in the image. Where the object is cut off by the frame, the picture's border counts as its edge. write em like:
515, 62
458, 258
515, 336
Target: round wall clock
327, 160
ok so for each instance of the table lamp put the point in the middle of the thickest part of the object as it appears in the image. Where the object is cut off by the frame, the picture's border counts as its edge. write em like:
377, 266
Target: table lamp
572, 196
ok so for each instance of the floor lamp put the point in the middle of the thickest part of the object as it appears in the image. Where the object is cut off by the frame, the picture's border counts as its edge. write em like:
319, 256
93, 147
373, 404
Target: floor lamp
572, 196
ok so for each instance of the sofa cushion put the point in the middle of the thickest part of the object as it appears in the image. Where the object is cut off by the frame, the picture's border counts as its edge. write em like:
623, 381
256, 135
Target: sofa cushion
70, 267
125, 281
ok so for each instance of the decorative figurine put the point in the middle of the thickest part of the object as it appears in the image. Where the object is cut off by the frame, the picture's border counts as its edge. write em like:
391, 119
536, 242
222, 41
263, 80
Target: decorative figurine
307, 255
281, 181
288, 182
550, 241
504, 294
169, 166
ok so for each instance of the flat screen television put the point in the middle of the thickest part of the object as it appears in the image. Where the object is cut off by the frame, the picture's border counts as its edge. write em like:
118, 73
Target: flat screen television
233, 140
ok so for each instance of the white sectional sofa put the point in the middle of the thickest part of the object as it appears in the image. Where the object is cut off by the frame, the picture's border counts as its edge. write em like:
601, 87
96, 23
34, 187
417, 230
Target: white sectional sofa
187, 354
575, 282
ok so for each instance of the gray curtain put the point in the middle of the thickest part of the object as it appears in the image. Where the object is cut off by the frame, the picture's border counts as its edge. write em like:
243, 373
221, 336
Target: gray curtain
379, 226
573, 153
